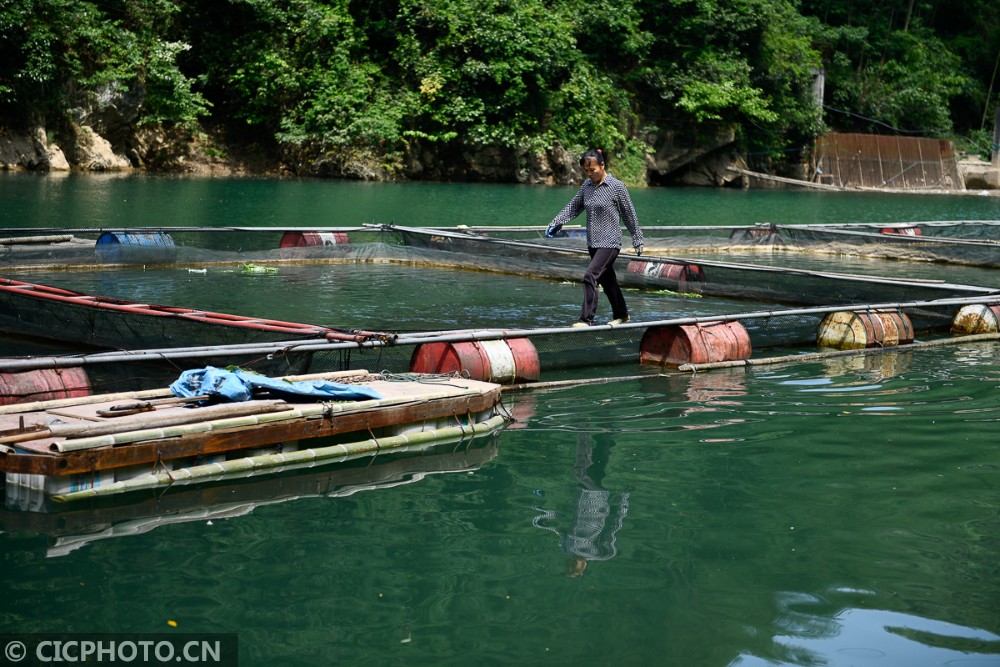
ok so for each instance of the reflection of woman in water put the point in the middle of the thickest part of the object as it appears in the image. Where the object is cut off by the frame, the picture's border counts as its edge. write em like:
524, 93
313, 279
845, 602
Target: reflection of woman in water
598, 514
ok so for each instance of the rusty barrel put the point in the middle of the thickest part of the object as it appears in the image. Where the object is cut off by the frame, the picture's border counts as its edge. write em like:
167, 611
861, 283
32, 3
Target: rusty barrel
859, 329
501, 361
694, 344
679, 277
43, 385
976, 319
313, 239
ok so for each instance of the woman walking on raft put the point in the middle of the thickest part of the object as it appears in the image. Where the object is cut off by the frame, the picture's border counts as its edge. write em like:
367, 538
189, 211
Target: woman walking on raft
607, 203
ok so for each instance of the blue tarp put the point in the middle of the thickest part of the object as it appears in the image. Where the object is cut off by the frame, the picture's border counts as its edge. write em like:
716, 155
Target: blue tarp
238, 385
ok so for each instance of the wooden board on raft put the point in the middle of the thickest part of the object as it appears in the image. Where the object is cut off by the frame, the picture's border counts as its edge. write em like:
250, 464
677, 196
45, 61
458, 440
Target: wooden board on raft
76, 438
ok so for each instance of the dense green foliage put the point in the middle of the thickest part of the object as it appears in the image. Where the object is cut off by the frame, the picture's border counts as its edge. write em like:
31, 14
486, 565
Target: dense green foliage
335, 79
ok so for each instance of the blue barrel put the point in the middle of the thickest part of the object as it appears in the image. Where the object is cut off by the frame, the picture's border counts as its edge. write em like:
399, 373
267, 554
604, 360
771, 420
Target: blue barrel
136, 248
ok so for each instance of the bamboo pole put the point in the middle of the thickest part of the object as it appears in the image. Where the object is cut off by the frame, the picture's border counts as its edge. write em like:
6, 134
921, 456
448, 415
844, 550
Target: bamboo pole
167, 430
125, 409
560, 384
995, 149
786, 181
268, 462
186, 416
267, 229
11, 365
21, 240
37, 406
235, 419
153, 394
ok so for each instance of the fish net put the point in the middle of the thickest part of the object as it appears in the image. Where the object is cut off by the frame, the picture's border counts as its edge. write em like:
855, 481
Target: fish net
798, 298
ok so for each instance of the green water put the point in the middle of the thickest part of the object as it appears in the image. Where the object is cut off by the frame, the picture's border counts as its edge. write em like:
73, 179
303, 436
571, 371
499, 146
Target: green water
841, 513
116, 201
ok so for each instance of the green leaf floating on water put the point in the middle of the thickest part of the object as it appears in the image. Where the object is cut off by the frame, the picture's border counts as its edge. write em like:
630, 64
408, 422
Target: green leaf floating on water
685, 295
257, 268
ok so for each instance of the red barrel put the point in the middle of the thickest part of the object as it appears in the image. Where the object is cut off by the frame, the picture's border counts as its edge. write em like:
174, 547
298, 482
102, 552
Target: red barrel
904, 231
501, 361
679, 277
43, 385
859, 329
311, 239
694, 344
976, 319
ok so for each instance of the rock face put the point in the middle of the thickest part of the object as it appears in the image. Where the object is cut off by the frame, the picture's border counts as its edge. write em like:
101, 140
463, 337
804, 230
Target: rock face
32, 151
97, 137
57, 159
91, 152
979, 174
712, 170
690, 157
105, 137
704, 164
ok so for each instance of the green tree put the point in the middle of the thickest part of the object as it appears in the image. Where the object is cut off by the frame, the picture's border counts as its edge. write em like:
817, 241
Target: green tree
58, 54
886, 68
482, 72
331, 82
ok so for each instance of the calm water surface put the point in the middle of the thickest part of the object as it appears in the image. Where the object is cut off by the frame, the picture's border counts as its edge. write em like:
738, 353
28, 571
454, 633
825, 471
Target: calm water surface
116, 201
842, 513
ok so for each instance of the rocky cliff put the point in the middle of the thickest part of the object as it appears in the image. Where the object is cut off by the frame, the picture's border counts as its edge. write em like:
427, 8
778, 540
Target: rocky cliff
107, 141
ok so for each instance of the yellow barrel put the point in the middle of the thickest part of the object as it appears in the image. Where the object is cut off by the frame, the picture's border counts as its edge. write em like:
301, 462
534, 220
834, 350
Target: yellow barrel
976, 319
859, 329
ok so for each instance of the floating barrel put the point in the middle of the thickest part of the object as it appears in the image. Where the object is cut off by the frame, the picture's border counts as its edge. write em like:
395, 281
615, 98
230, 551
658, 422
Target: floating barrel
311, 239
681, 277
43, 385
136, 248
903, 231
975, 319
855, 330
694, 344
502, 361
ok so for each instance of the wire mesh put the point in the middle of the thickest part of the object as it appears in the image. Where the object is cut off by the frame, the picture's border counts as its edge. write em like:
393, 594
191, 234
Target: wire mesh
875, 161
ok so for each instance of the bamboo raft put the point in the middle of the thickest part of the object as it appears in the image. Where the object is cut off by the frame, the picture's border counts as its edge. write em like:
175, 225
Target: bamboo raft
77, 448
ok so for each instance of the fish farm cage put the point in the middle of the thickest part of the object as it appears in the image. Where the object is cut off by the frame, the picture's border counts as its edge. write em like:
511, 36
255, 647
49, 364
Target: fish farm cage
126, 346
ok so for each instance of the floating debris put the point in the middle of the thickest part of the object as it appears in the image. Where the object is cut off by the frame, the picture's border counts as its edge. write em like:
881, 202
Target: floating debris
257, 268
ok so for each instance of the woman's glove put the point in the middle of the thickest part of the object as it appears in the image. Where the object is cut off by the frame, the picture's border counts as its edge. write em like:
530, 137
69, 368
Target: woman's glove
551, 230
638, 250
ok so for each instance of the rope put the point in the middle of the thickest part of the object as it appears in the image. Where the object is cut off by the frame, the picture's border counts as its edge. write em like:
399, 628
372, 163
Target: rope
426, 378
